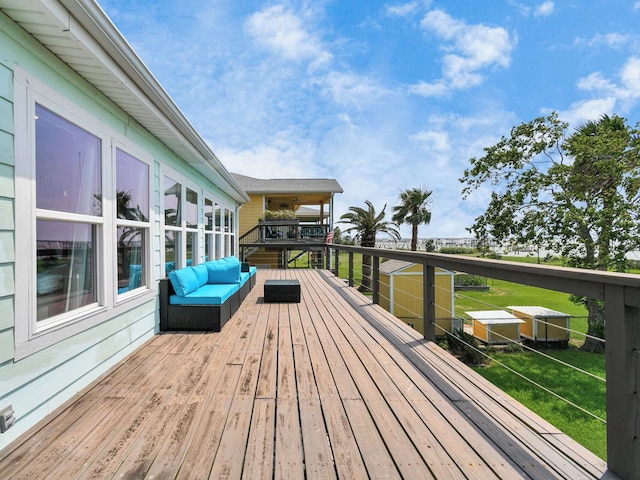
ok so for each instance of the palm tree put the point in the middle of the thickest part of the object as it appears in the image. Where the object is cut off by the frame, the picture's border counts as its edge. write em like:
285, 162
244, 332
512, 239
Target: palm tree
367, 224
414, 211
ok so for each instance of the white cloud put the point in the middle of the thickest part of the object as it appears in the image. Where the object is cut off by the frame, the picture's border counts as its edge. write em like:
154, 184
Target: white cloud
588, 110
630, 77
636, 6
544, 9
610, 40
402, 10
348, 89
609, 96
471, 49
284, 33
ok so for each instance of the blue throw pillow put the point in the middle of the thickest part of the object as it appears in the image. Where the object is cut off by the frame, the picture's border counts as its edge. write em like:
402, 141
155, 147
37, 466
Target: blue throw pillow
202, 273
184, 281
223, 272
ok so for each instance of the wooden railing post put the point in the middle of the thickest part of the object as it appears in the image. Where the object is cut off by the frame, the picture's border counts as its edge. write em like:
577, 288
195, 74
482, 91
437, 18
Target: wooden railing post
351, 269
428, 299
336, 264
375, 280
623, 379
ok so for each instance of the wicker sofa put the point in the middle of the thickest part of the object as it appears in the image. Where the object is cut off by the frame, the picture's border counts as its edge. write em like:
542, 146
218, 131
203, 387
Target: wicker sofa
204, 296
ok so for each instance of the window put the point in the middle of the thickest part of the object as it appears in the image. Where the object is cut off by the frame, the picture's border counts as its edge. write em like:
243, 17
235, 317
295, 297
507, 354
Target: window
209, 253
83, 232
181, 224
132, 211
218, 230
68, 172
172, 223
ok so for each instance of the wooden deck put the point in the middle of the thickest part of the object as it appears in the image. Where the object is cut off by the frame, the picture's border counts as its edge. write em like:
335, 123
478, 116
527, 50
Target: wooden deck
332, 387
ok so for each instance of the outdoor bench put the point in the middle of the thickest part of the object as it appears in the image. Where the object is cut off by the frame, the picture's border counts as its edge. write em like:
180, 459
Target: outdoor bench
204, 296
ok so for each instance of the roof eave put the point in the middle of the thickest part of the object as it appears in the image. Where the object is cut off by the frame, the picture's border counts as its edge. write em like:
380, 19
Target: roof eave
93, 19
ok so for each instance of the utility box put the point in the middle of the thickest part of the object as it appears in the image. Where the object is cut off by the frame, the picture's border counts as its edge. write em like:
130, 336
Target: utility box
495, 326
542, 324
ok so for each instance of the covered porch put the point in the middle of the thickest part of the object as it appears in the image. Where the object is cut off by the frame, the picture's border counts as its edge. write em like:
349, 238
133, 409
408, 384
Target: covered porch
332, 387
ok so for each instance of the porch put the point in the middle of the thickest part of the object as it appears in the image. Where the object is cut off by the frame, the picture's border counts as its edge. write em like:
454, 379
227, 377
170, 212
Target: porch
332, 387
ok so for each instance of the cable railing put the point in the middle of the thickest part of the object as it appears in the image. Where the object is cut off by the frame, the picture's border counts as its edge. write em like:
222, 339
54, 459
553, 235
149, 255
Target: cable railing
622, 309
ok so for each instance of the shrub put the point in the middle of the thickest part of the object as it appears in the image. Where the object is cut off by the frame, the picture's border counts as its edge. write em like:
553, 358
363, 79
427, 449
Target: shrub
465, 347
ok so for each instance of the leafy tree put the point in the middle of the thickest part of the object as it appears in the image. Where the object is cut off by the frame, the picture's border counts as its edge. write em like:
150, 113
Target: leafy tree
414, 211
577, 195
366, 224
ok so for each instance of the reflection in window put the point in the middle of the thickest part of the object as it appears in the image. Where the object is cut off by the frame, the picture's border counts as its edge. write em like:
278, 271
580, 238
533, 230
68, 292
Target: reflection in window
226, 220
208, 215
66, 268
191, 213
172, 197
218, 244
218, 222
191, 247
132, 187
131, 247
132, 234
171, 246
68, 166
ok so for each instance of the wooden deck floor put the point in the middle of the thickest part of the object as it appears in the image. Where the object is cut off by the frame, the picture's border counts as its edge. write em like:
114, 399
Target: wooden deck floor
331, 387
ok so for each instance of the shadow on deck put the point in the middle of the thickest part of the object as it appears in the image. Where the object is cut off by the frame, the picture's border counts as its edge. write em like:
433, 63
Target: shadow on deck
332, 387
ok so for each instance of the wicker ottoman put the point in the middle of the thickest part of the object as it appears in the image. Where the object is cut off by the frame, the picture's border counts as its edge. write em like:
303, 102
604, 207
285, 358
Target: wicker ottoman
282, 291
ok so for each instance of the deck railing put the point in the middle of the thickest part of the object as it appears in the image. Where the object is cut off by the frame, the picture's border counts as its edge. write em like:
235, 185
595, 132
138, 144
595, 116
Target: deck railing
284, 232
621, 296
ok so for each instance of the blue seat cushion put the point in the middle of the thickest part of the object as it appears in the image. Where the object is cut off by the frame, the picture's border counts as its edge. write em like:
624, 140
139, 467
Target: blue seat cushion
184, 281
223, 272
209, 294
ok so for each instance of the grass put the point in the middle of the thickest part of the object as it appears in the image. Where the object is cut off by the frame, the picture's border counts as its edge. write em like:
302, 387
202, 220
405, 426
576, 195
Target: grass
585, 391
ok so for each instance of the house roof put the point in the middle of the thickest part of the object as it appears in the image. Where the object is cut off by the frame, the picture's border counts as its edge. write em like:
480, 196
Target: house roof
83, 37
537, 311
391, 266
288, 185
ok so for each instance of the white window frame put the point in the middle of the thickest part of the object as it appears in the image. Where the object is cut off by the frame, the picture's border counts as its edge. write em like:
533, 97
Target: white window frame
148, 225
30, 335
182, 229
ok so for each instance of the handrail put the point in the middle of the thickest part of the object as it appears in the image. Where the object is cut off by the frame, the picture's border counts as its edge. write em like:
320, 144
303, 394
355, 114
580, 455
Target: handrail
284, 231
621, 293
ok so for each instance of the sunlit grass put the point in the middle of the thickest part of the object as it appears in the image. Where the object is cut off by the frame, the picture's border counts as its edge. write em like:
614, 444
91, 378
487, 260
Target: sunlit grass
583, 390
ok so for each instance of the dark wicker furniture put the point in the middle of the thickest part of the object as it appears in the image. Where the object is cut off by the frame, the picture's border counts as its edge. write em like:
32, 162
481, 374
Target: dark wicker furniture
194, 317
282, 291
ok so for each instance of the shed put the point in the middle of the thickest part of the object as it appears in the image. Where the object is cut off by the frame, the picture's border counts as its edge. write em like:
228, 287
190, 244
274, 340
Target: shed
401, 294
542, 324
495, 326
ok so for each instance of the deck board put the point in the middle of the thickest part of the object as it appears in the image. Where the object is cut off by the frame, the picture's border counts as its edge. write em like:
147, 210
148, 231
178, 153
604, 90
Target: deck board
331, 387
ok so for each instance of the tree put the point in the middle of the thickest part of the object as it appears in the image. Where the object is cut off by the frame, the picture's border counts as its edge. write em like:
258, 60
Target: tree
367, 224
413, 211
576, 195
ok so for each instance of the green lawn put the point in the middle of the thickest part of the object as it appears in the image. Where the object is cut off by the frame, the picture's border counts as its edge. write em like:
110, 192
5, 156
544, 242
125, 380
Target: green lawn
583, 390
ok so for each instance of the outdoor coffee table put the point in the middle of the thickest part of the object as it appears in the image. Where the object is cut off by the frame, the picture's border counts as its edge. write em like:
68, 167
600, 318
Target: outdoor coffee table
282, 291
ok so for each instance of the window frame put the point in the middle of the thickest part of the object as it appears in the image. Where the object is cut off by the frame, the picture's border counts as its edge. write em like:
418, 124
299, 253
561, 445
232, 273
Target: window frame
31, 336
118, 222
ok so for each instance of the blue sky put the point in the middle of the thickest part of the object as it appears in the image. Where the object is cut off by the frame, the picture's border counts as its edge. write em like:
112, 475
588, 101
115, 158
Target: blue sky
383, 96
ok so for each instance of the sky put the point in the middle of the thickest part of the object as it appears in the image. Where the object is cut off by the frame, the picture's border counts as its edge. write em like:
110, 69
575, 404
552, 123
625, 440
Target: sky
384, 96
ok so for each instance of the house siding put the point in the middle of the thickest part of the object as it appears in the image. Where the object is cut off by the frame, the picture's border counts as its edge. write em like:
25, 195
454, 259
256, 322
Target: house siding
35, 383
250, 213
